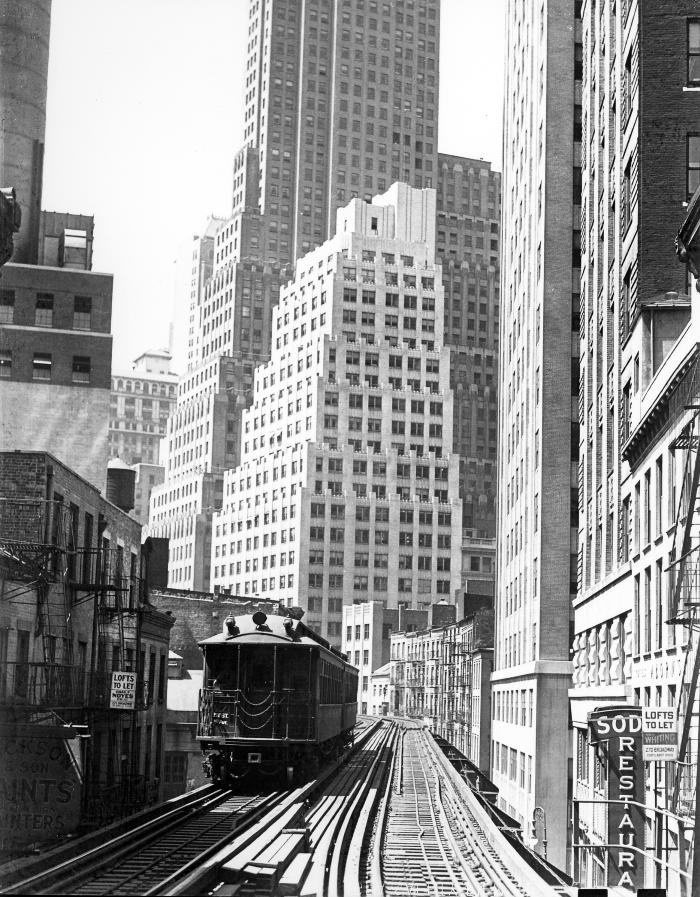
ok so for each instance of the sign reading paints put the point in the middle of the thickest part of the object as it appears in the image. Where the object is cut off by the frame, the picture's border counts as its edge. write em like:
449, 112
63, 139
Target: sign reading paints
123, 693
660, 733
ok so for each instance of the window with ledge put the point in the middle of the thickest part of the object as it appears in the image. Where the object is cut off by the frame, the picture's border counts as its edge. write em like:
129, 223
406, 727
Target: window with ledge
7, 306
694, 52
81, 369
43, 316
41, 366
693, 163
82, 312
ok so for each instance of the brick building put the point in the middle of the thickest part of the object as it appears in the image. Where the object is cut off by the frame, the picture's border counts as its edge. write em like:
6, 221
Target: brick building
76, 611
55, 359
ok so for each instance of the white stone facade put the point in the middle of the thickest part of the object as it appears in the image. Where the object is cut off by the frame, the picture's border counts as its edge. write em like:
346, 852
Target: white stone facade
345, 468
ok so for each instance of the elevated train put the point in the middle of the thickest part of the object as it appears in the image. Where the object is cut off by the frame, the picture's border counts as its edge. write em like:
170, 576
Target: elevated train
276, 700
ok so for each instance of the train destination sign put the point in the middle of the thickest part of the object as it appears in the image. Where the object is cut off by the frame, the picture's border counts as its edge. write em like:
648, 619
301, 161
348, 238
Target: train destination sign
660, 733
123, 693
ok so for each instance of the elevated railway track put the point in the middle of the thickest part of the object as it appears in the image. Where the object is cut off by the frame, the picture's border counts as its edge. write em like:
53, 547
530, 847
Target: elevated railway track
393, 818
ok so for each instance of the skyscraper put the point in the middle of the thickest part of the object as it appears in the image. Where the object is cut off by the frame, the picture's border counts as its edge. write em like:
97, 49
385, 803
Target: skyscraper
538, 447
338, 104
468, 249
341, 100
347, 487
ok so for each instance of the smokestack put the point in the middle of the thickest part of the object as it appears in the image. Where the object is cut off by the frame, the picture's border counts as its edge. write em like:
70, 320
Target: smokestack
24, 65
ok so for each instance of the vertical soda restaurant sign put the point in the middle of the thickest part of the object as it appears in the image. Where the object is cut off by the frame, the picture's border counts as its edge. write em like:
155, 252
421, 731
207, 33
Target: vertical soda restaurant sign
618, 732
123, 693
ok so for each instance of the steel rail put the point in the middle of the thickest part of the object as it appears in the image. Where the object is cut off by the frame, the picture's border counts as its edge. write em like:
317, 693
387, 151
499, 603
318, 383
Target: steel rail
170, 815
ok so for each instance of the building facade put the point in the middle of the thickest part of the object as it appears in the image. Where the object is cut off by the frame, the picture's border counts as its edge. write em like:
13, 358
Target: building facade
442, 675
367, 628
468, 249
350, 428
55, 359
336, 106
538, 386
75, 613
140, 403
638, 359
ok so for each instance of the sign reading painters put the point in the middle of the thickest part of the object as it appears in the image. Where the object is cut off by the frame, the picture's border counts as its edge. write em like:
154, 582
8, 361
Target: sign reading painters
123, 693
617, 733
660, 731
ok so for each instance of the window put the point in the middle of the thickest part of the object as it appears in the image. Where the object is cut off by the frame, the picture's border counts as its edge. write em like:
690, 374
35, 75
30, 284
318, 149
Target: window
5, 363
694, 51
7, 306
82, 309
693, 163
81, 369
41, 369
43, 316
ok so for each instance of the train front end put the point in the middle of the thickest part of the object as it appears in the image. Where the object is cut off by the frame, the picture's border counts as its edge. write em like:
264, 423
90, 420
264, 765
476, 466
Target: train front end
258, 704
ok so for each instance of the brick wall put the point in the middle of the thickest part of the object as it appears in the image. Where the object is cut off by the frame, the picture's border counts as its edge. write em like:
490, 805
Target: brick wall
64, 284
667, 114
198, 615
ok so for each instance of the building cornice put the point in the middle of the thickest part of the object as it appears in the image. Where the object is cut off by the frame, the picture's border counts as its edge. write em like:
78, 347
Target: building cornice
658, 415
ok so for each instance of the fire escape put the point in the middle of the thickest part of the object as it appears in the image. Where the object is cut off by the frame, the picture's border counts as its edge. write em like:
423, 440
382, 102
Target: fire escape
45, 577
684, 570
685, 596
35, 536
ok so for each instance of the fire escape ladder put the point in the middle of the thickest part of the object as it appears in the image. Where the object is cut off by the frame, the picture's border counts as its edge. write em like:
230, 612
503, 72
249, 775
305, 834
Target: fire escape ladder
685, 604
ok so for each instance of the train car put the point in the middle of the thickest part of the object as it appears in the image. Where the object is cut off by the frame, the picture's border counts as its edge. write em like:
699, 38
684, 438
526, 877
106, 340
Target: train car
276, 700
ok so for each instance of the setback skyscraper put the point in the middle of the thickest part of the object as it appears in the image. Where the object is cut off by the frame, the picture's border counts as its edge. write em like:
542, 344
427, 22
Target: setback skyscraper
338, 104
347, 488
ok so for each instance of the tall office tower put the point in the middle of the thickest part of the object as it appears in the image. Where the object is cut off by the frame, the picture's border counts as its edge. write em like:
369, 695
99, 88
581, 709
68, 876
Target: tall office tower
640, 160
346, 487
195, 267
340, 101
338, 104
24, 63
468, 248
230, 338
538, 447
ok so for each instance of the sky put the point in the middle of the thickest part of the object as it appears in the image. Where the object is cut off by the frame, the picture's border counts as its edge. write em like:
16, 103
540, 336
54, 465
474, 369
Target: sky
145, 114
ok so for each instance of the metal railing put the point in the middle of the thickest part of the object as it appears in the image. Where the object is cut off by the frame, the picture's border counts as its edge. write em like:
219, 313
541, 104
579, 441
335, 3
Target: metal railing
42, 684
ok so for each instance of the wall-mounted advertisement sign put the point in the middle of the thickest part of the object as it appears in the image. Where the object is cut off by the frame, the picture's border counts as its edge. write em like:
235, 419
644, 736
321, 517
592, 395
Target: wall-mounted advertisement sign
617, 732
660, 733
123, 693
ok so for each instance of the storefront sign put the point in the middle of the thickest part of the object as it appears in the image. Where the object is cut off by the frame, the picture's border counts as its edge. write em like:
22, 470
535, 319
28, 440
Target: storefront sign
660, 731
618, 733
123, 693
